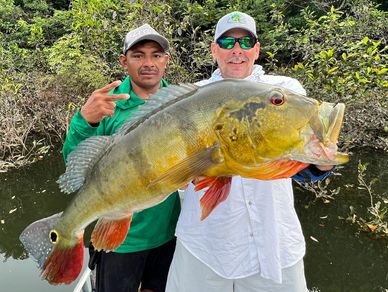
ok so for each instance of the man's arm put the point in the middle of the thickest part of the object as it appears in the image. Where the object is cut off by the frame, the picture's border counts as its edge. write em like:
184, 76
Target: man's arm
86, 121
312, 174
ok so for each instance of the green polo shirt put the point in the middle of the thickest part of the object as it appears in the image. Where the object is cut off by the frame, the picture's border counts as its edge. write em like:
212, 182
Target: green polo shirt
151, 227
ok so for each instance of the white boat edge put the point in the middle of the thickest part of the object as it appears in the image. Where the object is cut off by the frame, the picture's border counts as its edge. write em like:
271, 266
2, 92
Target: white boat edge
85, 283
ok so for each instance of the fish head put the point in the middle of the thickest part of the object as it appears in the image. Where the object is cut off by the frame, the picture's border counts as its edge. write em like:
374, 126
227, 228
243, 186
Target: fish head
276, 124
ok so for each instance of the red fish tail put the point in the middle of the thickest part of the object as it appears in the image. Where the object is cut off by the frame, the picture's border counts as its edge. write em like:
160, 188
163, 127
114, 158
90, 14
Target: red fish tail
64, 263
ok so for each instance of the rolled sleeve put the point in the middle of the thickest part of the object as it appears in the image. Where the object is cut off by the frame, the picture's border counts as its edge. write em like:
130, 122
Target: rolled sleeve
311, 174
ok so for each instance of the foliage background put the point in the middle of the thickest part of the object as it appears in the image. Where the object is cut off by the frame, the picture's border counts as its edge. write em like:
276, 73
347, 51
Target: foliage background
54, 53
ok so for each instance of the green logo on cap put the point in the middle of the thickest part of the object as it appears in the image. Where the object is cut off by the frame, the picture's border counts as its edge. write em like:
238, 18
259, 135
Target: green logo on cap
237, 18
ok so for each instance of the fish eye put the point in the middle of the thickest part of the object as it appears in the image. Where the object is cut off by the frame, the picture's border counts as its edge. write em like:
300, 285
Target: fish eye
277, 99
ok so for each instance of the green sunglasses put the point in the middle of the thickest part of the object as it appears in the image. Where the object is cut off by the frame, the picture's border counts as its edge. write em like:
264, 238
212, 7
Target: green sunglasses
246, 43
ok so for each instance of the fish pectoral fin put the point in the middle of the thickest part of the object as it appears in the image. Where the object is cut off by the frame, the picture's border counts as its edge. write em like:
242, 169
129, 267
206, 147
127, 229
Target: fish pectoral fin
190, 168
81, 160
276, 169
109, 233
218, 191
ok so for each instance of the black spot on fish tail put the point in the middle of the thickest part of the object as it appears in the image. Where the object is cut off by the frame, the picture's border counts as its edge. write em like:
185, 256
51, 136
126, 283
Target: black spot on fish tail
53, 236
248, 111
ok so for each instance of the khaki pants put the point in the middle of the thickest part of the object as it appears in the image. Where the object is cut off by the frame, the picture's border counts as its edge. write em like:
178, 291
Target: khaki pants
188, 274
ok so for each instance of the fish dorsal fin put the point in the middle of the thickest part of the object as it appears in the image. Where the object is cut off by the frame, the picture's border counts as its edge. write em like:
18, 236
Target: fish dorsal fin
80, 161
157, 101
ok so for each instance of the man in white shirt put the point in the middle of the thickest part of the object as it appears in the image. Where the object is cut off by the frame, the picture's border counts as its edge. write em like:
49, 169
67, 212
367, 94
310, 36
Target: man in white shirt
252, 241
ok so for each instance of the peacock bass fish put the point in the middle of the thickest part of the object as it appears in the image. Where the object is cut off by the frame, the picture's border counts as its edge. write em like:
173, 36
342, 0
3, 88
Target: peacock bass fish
226, 128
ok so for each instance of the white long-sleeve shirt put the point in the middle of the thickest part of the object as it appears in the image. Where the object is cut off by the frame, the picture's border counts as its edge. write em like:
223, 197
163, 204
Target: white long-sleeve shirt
256, 229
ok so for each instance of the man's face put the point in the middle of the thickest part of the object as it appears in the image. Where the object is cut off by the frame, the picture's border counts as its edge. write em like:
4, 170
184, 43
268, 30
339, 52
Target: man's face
236, 62
145, 63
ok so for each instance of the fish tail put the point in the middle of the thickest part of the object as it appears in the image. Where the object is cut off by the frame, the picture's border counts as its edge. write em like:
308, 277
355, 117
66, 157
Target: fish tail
64, 263
59, 258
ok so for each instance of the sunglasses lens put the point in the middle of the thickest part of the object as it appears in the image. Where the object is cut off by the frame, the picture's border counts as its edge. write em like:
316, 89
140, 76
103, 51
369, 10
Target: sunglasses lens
246, 42
227, 43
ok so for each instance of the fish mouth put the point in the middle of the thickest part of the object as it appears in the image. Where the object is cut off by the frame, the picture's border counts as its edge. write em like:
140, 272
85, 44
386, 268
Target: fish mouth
326, 126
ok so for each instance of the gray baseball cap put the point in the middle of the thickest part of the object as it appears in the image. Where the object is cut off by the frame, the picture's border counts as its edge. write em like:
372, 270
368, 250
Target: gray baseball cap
144, 32
235, 19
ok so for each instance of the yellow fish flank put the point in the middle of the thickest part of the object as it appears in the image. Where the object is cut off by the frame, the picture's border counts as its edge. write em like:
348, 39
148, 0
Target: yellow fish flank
226, 128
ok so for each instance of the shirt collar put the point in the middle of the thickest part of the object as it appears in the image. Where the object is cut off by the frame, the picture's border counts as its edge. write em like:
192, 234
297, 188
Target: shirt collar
257, 72
133, 101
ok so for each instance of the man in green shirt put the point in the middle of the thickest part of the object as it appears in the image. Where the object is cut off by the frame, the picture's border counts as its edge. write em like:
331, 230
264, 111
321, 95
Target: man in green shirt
145, 255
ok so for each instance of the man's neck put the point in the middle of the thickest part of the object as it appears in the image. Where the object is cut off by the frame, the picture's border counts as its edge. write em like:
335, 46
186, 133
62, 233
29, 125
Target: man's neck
142, 92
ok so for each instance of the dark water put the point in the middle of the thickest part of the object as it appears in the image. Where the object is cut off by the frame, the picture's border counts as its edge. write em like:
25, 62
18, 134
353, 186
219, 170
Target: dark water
343, 259
33, 192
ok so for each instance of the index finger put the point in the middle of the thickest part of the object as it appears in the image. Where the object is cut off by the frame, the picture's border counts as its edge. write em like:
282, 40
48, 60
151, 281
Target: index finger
110, 86
114, 97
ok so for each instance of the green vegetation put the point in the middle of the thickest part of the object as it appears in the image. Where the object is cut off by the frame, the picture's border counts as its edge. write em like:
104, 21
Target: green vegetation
55, 53
376, 218
342, 57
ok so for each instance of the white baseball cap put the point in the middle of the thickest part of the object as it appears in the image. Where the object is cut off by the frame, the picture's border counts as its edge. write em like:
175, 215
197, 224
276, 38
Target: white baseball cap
144, 32
235, 19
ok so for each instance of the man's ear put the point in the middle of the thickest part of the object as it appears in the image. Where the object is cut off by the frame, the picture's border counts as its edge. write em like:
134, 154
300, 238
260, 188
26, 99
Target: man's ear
257, 48
213, 48
123, 61
168, 58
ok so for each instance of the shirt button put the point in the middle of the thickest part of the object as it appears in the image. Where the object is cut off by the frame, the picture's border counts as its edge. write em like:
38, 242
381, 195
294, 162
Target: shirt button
251, 234
250, 203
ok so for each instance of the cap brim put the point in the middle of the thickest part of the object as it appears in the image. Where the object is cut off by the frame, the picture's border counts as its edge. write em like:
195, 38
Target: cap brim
156, 38
233, 27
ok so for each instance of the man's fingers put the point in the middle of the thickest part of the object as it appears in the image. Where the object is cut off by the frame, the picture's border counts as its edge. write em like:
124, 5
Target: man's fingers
108, 112
114, 97
324, 167
110, 86
103, 93
101, 104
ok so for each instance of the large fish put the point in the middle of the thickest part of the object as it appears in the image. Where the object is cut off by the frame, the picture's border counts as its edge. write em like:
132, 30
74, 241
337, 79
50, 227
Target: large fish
230, 127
